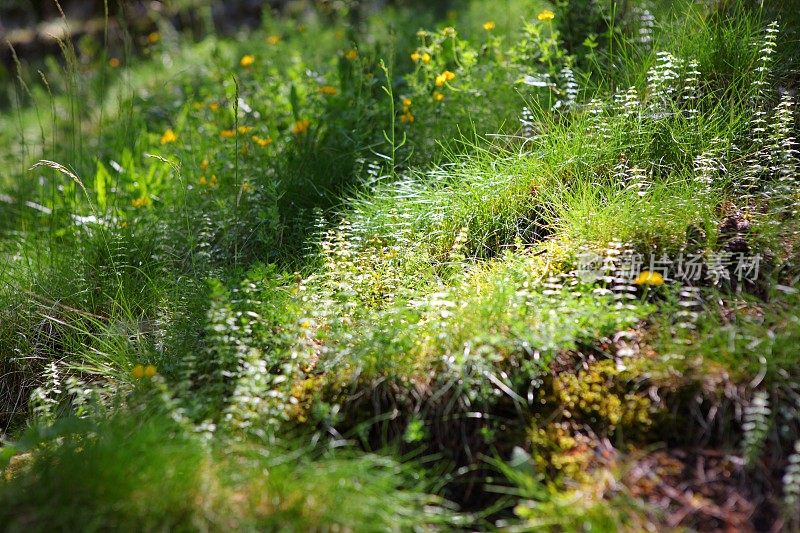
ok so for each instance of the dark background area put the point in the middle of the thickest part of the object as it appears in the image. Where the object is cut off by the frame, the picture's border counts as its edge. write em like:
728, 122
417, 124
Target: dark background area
33, 27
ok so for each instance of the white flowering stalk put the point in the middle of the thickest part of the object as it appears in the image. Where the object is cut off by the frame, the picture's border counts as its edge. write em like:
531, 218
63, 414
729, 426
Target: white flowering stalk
639, 181
782, 150
617, 280
791, 489
647, 23
765, 60
632, 178
662, 82
757, 163
708, 165
756, 426
623, 284
691, 94
528, 123
598, 123
690, 302
569, 89
629, 106
44, 399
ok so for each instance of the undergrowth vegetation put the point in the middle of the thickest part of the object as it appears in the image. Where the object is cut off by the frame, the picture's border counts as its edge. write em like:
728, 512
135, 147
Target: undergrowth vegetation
504, 265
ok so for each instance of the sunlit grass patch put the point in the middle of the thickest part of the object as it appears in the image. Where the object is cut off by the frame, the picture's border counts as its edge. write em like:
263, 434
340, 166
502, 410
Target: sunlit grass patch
140, 470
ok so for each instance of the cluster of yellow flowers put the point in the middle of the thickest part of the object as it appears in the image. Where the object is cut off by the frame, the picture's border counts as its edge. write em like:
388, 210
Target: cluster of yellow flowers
231, 133
418, 56
262, 141
489, 25
329, 90
407, 116
142, 371
247, 60
351, 54
301, 126
546, 15
142, 201
209, 182
649, 278
444, 77
169, 137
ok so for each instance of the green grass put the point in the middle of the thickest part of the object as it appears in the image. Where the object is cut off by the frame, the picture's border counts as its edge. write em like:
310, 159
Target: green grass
326, 273
139, 470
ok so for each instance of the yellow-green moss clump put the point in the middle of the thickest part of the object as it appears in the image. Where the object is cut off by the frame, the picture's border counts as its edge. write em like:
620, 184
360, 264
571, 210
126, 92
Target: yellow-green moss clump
560, 450
601, 396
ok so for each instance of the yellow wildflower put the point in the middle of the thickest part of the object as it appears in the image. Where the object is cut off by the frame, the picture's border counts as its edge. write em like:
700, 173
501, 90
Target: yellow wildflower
328, 89
649, 278
246, 187
426, 58
244, 129
150, 371
213, 182
273, 39
449, 31
153, 38
203, 181
204, 164
407, 117
247, 60
489, 25
351, 55
227, 134
444, 77
301, 126
169, 137
138, 372
262, 141
406, 103
114, 62
213, 106
438, 96
546, 15
415, 57
142, 201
